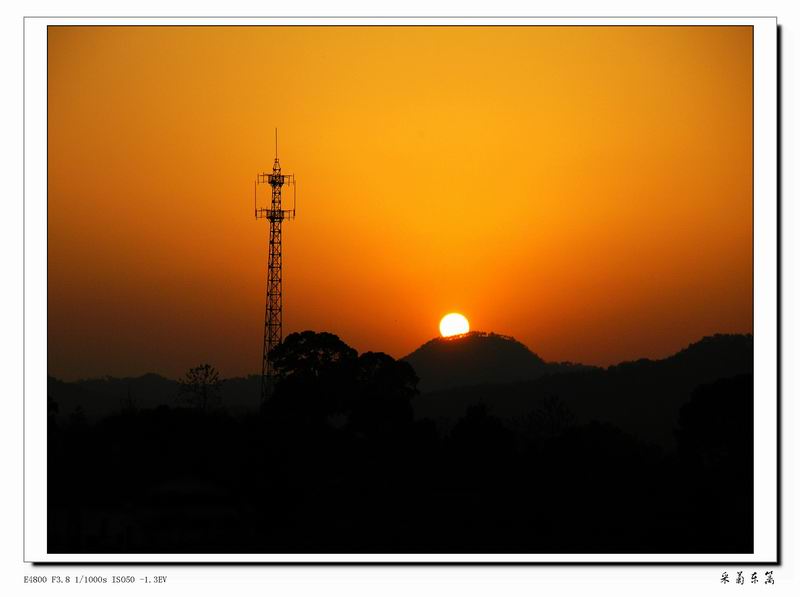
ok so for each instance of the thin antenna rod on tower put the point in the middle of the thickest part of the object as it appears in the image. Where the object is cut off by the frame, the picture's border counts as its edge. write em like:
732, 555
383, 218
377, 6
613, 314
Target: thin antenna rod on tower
276, 142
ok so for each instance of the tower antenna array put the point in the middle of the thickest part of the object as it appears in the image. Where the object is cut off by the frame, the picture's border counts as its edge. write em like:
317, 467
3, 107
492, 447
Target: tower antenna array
275, 215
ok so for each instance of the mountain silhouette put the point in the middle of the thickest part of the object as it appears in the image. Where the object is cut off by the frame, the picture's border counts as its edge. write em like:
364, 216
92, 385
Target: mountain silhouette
103, 396
642, 397
477, 358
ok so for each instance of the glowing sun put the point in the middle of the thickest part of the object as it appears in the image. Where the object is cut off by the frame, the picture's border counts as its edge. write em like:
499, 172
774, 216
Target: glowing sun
453, 324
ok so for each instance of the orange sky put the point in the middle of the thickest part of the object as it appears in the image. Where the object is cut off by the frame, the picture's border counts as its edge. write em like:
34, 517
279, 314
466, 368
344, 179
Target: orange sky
587, 190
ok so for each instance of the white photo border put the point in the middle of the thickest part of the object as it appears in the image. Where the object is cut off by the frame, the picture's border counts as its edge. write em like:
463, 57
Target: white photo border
765, 299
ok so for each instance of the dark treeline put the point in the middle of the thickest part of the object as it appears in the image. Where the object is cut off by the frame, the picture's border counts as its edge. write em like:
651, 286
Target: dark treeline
337, 461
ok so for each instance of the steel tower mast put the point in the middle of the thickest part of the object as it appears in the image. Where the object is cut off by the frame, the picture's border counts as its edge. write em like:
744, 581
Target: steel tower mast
275, 215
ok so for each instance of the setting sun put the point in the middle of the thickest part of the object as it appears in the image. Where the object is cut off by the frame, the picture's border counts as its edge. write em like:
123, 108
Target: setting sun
453, 324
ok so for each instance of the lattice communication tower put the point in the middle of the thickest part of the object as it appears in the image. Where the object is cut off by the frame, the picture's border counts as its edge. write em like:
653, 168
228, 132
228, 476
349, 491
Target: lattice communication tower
275, 215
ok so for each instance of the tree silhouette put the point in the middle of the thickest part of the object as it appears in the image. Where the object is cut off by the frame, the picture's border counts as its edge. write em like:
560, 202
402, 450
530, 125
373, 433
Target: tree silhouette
480, 439
314, 374
200, 386
310, 355
77, 419
384, 388
128, 403
715, 428
552, 418
322, 380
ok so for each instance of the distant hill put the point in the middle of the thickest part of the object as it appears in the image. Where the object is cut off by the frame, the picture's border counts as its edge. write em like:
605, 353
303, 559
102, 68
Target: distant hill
642, 397
105, 396
478, 358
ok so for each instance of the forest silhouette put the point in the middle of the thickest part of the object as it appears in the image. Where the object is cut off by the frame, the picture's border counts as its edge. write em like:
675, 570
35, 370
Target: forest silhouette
349, 456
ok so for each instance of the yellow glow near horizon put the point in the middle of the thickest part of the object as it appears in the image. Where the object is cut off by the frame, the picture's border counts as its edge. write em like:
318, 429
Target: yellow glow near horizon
453, 324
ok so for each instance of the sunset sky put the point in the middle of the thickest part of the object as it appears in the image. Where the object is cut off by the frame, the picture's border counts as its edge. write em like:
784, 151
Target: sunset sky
587, 190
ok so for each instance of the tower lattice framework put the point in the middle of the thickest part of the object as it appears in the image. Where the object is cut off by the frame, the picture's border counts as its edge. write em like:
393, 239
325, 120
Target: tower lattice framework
275, 215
